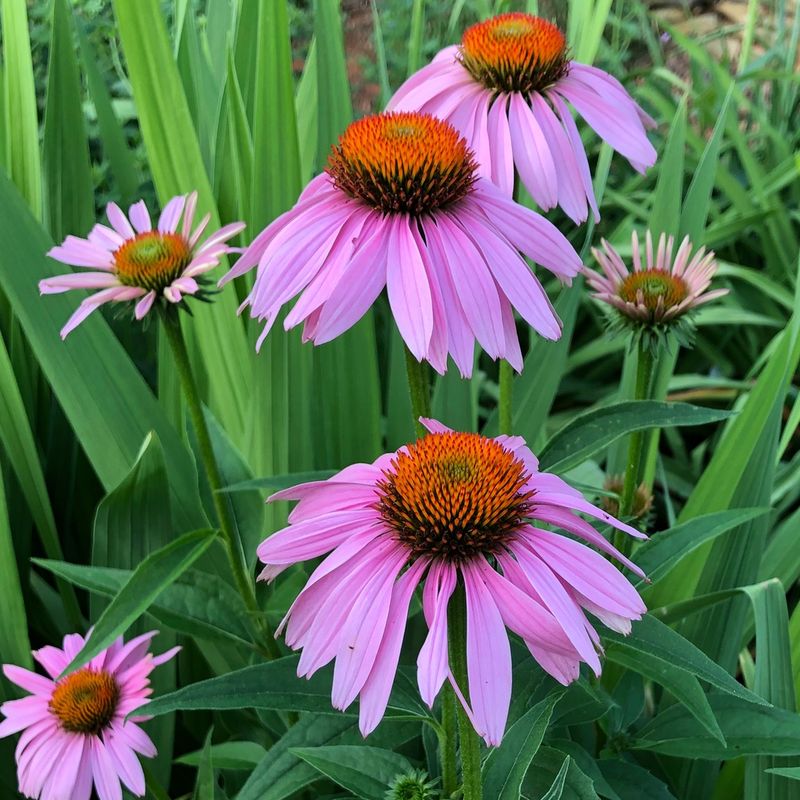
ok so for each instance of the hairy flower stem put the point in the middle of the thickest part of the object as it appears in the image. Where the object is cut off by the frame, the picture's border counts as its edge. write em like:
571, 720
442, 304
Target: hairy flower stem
505, 406
448, 742
172, 328
419, 389
644, 378
469, 742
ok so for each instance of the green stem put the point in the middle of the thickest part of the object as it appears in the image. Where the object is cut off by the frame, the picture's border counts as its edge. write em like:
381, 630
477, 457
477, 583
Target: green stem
447, 743
644, 374
470, 743
505, 407
419, 389
172, 328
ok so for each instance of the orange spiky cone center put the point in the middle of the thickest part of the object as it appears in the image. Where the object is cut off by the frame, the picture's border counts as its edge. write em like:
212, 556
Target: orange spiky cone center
403, 162
654, 288
85, 701
152, 260
454, 495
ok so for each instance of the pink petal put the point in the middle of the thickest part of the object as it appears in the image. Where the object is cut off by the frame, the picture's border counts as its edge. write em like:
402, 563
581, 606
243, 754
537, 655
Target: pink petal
528, 231
29, 681
532, 154
488, 659
502, 153
139, 217
126, 765
433, 665
171, 213
78, 280
473, 283
408, 288
106, 780
144, 305
188, 216
378, 686
53, 659
571, 193
80, 253
119, 222
116, 293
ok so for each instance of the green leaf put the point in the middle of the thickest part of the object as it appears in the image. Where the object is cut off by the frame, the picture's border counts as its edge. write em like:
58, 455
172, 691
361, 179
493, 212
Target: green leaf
274, 686
655, 640
666, 210
364, 771
506, 766
556, 790
698, 196
15, 647
23, 458
632, 782
593, 431
69, 201
120, 157
205, 787
786, 772
20, 120
664, 550
108, 404
545, 769
227, 755
749, 729
276, 483
197, 604
146, 583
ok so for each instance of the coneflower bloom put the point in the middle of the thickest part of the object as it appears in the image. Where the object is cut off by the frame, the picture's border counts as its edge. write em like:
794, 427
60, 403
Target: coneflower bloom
400, 205
132, 260
506, 89
74, 729
450, 508
661, 291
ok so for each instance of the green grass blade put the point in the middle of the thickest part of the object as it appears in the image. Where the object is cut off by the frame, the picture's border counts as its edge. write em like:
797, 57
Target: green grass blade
68, 199
20, 119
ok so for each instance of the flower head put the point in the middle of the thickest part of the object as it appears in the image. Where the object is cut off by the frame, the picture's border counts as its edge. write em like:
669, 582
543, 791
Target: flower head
452, 508
74, 729
506, 89
661, 292
401, 206
132, 260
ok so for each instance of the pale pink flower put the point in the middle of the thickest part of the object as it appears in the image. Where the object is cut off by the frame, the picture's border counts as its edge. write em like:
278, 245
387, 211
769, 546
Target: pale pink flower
506, 89
74, 729
660, 289
401, 206
452, 507
132, 260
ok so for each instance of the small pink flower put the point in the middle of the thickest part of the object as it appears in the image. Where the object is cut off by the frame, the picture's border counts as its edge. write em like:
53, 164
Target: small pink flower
401, 206
660, 290
506, 89
74, 729
452, 507
134, 261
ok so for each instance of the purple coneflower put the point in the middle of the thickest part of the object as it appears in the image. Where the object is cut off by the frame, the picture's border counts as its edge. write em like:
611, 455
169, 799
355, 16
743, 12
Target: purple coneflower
132, 260
75, 730
452, 508
506, 89
401, 205
661, 291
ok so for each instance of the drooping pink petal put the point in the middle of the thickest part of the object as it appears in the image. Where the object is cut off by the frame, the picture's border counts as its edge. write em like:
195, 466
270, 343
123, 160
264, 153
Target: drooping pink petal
532, 154
77, 280
502, 152
378, 686
408, 288
106, 780
116, 293
433, 664
144, 305
488, 659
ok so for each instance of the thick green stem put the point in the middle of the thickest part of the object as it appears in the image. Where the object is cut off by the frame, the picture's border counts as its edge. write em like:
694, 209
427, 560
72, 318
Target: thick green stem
644, 374
470, 743
448, 742
419, 389
505, 406
172, 328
